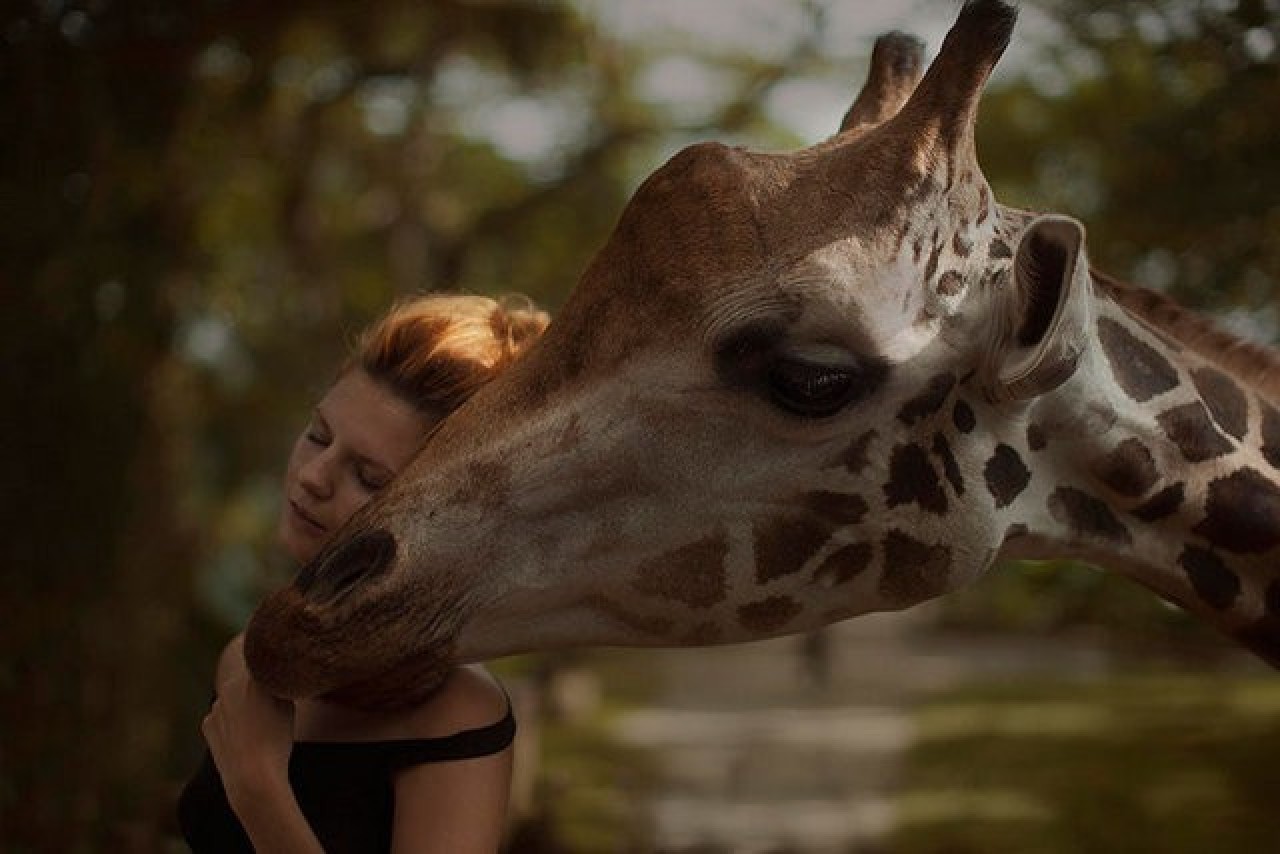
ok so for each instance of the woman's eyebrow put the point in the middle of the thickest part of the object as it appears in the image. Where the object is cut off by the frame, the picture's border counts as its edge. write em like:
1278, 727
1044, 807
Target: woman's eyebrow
363, 460
360, 458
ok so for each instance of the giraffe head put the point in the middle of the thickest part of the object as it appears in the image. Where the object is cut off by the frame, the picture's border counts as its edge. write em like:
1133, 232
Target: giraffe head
743, 422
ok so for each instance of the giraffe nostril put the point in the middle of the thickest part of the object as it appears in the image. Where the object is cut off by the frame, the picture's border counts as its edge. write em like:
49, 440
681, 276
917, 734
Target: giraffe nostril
340, 567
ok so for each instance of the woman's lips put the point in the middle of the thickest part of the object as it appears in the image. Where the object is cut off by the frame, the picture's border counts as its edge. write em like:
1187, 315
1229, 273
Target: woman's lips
308, 521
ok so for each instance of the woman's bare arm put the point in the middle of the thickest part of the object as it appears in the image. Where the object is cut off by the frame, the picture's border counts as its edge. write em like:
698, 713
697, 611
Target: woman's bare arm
456, 807
250, 734
459, 806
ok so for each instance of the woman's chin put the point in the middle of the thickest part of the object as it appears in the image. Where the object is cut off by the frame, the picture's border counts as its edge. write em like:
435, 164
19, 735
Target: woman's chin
296, 545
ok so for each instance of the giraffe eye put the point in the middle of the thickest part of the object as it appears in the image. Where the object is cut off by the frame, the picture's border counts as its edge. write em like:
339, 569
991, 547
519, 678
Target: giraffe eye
811, 389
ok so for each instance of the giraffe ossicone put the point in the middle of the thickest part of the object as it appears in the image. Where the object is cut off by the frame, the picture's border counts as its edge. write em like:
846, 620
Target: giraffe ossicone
794, 388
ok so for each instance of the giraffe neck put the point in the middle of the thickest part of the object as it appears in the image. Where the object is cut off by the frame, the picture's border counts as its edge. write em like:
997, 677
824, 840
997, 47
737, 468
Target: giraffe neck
1162, 462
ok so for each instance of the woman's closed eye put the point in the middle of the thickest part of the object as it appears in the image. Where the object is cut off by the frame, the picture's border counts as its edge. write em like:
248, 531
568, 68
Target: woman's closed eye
372, 478
317, 433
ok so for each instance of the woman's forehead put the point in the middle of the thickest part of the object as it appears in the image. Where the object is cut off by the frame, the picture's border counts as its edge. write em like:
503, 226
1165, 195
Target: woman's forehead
373, 420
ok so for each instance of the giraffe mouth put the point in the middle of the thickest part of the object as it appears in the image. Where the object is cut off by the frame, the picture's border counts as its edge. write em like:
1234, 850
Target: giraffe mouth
371, 656
405, 686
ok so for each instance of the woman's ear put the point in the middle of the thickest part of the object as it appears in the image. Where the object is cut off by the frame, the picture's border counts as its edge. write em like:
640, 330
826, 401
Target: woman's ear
1045, 314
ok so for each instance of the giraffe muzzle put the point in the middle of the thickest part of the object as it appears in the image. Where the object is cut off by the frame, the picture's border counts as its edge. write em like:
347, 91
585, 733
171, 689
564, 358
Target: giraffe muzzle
338, 570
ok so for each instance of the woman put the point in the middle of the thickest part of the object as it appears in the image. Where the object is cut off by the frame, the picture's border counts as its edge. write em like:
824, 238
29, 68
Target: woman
312, 776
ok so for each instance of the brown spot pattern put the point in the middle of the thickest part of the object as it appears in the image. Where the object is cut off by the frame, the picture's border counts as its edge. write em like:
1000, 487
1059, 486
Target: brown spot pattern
962, 416
571, 436
1016, 531
928, 401
855, 458
1128, 469
487, 484
1086, 516
1138, 367
1271, 435
931, 266
1224, 398
1037, 440
654, 626
1189, 427
1164, 503
913, 570
984, 197
844, 564
1217, 585
768, 615
950, 468
1006, 475
961, 244
839, 508
693, 574
784, 544
950, 283
912, 479
1242, 513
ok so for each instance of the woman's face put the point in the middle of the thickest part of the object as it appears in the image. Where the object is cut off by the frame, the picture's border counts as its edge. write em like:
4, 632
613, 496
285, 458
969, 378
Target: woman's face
360, 435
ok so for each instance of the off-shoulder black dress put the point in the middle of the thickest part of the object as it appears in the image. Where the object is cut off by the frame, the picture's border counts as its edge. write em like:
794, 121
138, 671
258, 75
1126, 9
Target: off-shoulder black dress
345, 789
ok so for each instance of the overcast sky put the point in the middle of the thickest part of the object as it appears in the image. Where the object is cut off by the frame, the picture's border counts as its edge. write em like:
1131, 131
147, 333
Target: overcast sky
535, 127
769, 28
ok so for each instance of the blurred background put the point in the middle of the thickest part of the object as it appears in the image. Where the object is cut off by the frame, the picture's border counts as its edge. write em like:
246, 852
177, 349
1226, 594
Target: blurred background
200, 201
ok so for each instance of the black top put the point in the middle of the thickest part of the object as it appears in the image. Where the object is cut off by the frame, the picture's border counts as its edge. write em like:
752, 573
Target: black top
345, 789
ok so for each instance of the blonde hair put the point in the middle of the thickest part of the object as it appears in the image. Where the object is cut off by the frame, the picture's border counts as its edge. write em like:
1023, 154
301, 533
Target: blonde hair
436, 350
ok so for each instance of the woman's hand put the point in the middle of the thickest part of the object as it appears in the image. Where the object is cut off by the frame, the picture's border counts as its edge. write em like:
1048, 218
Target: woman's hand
249, 732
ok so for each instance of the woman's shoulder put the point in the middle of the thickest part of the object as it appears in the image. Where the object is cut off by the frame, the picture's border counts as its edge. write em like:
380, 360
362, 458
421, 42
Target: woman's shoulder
231, 660
470, 698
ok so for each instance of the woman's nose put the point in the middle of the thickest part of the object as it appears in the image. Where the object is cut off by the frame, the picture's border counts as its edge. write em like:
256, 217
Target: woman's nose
316, 475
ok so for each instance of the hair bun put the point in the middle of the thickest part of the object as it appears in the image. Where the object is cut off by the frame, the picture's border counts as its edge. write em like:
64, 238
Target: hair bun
436, 350
518, 322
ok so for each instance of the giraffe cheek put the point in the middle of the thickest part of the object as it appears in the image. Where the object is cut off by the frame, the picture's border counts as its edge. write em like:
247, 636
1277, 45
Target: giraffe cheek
919, 563
1242, 513
844, 565
693, 575
1128, 470
914, 570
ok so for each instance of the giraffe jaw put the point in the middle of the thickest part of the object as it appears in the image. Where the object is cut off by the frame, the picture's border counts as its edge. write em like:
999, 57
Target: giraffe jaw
358, 658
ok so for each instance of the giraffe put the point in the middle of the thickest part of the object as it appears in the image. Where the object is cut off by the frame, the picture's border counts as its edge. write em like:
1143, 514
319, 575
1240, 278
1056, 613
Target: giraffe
793, 388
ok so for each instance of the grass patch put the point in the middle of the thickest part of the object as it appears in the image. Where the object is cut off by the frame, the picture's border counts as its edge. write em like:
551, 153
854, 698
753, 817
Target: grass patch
589, 788
1167, 763
586, 792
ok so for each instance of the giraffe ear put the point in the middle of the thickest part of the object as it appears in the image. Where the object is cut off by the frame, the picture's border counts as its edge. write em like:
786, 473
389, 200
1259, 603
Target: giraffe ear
1044, 316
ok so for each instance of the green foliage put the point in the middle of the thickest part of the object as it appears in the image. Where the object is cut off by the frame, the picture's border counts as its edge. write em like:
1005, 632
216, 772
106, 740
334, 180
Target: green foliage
1069, 597
200, 202
1161, 763
1144, 120
587, 788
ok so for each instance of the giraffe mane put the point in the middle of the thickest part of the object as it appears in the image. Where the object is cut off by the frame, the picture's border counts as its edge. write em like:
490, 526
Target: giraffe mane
1255, 364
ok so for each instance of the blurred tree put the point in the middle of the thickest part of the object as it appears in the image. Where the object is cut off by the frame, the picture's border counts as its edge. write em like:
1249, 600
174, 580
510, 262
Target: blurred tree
198, 202
94, 553
1147, 121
